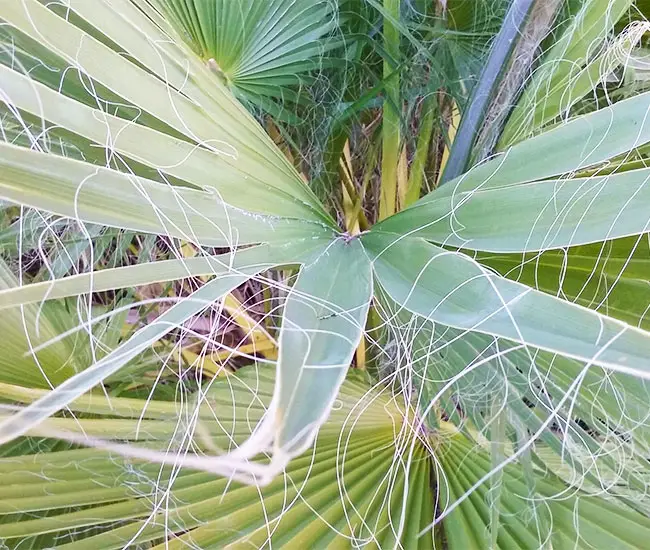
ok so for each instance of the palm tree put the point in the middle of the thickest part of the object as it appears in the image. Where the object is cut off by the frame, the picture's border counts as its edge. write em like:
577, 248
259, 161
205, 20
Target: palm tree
257, 290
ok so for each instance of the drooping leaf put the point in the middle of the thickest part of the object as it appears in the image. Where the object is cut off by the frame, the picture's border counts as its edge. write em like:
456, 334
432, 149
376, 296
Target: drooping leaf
450, 288
323, 323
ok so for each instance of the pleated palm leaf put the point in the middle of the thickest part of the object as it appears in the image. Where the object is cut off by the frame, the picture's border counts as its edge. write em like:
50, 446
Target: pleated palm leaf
508, 372
261, 50
369, 480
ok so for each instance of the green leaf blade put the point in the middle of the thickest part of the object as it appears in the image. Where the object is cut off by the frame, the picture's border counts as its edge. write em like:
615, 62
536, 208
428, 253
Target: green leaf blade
323, 324
527, 217
452, 289
100, 195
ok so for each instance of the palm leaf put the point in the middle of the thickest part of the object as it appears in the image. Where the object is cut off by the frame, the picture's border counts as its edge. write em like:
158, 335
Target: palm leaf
202, 137
610, 277
214, 119
259, 49
111, 121
100, 195
322, 498
25, 329
577, 519
469, 297
509, 204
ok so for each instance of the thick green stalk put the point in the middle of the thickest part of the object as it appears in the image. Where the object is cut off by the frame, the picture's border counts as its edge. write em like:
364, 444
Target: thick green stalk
521, 61
488, 83
391, 115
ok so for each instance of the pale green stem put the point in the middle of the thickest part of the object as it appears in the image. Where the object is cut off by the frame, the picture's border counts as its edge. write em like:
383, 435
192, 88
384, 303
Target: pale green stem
391, 115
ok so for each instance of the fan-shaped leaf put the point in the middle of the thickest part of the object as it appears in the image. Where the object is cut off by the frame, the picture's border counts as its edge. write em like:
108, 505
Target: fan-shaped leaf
24, 330
528, 520
174, 88
332, 495
258, 48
